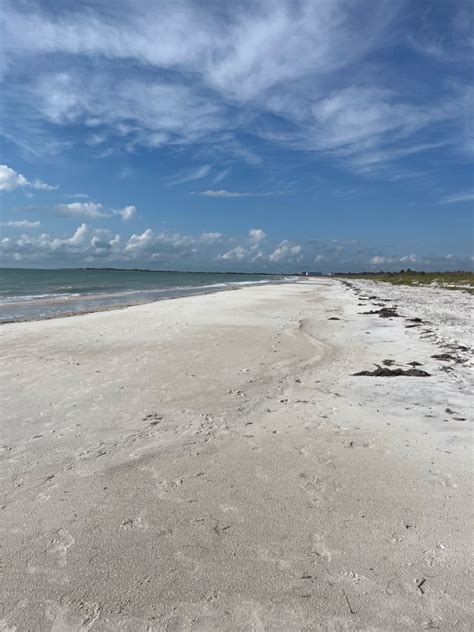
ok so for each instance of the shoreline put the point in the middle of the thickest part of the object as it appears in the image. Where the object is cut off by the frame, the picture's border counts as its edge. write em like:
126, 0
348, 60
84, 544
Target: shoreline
186, 293
111, 308
217, 464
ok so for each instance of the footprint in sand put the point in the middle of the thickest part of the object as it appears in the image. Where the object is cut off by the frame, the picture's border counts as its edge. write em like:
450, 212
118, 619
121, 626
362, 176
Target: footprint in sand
54, 558
319, 550
135, 522
314, 487
59, 546
442, 480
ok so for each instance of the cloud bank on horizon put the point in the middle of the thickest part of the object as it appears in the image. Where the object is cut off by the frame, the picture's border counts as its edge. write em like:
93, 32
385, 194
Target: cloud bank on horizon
342, 128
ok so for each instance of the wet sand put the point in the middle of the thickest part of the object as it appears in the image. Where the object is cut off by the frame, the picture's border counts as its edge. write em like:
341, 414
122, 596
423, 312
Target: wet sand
211, 463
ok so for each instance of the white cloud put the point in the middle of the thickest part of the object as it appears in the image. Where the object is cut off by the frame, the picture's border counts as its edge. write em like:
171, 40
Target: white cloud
87, 245
409, 258
22, 223
256, 235
211, 236
94, 210
377, 260
221, 175
128, 213
249, 251
196, 174
222, 193
204, 72
11, 180
457, 198
88, 210
286, 251
239, 253
42, 186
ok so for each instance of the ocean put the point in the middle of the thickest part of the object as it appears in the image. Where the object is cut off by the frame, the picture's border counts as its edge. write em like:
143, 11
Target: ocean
38, 294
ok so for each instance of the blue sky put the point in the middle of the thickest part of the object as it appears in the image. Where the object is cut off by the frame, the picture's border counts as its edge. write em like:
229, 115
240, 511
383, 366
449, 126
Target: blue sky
268, 136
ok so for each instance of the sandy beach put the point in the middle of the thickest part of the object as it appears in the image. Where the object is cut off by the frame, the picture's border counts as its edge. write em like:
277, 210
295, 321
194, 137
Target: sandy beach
212, 464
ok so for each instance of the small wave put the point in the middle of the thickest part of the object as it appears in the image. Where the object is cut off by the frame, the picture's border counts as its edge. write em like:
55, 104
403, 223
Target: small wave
37, 297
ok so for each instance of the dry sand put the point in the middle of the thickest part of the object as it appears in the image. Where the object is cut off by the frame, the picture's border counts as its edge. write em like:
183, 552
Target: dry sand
211, 464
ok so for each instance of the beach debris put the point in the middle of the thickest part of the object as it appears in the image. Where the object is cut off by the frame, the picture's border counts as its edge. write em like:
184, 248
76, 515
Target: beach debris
348, 603
334, 318
386, 372
415, 320
388, 362
218, 530
420, 584
414, 363
153, 418
444, 357
385, 312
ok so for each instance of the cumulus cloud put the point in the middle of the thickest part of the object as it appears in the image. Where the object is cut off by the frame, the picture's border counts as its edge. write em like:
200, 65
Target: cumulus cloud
211, 236
22, 223
256, 235
11, 180
249, 251
409, 258
394, 260
286, 251
128, 213
94, 210
88, 210
239, 253
88, 245
377, 260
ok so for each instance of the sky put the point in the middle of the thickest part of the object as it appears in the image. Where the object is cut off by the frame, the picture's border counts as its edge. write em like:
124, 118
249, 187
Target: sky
270, 135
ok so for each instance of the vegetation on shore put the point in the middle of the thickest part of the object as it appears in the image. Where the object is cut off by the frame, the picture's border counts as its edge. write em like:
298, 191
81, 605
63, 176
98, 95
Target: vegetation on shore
459, 280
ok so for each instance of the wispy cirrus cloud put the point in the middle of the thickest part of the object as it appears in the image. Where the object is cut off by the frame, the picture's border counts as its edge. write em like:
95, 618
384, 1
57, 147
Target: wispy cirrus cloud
221, 175
297, 74
458, 198
222, 193
195, 174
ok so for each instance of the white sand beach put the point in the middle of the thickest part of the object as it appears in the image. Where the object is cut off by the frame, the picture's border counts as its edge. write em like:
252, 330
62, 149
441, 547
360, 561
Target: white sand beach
212, 464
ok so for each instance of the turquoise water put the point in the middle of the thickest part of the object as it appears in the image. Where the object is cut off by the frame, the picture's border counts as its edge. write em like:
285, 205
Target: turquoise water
34, 294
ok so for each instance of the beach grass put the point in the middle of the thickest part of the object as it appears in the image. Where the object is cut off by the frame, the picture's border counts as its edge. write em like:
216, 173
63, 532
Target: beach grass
450, 280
